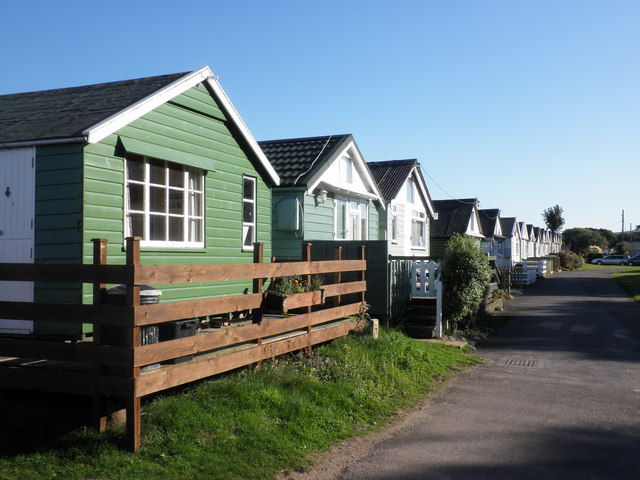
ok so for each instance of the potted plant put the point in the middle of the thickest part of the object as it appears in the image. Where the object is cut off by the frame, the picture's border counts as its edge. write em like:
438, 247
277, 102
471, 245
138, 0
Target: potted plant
275, 298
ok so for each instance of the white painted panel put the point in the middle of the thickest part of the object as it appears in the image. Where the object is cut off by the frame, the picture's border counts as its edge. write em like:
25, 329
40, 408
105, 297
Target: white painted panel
17, 211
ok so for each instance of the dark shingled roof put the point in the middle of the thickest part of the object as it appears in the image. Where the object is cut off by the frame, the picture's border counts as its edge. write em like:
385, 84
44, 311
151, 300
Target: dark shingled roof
67, 112
391, 175
297, 159
507, 225
453, 217
488, 219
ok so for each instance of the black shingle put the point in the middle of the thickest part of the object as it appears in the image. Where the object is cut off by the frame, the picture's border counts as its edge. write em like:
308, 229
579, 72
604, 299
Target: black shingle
488, 219
453, 217
67, 112
391, 175
296, 159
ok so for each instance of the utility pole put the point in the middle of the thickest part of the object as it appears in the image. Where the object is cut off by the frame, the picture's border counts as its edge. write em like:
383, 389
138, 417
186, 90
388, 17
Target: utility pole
622, 233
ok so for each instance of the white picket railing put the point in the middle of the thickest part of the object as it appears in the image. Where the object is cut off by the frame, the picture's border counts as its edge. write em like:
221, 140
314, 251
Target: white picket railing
426, 283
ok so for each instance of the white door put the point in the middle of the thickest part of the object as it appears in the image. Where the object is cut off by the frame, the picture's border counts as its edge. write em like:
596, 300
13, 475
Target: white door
17, 211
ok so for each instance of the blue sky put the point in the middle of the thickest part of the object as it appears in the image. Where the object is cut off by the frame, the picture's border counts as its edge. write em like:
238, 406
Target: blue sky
522, 104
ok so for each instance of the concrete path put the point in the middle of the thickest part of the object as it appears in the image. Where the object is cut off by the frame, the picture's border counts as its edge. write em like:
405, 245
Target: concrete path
558, 397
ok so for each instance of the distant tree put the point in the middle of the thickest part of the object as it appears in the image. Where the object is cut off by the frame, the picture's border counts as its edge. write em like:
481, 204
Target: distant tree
622, 248
553, 218
580, 239
611, 237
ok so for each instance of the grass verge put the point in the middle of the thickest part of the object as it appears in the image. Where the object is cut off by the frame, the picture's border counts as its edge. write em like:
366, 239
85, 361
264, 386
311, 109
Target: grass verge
590, 266
252, 424
629, 280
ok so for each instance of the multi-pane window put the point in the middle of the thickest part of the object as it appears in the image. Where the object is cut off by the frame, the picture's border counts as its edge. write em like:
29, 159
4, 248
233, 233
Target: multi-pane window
418, 229
346, 170
351, 220
164, 202
248, 212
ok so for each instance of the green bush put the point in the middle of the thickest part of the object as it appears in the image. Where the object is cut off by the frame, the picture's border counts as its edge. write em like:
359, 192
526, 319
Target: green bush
466, 272
570, 260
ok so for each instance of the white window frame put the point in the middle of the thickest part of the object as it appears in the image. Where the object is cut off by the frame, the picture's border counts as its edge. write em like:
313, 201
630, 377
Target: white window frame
418, 218
190, 190
394, 224
411, 193
346, 169
356, 216
252, 203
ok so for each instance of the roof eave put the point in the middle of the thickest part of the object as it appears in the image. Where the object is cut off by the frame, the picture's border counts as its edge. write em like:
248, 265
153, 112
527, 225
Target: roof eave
112, 124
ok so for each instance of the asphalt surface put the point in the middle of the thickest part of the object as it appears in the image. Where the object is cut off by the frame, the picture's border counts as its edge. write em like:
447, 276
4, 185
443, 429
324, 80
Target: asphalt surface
558, 396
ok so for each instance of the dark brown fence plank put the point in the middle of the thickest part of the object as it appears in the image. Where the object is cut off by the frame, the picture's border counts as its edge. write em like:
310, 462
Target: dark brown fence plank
65, 381
84, 352
58, 272
68, 312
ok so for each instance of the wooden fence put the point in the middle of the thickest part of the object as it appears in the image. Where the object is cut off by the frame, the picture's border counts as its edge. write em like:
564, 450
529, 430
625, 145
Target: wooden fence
114, 365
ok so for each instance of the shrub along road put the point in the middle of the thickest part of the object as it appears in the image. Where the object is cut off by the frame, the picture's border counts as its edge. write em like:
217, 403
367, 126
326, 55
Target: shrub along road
557, 398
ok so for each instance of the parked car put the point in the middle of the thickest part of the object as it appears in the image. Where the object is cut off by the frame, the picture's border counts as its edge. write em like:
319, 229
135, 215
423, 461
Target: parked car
611, 260
635, 260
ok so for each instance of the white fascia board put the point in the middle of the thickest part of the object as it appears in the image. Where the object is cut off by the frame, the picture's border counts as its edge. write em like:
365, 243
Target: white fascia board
354, 153
101, 130
230, 109
423, 189
344, 191
115, 122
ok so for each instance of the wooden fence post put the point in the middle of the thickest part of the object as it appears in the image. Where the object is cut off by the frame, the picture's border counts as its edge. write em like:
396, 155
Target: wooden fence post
99, 258
133, 341
258, 283
361, 275
337, 277
306, 257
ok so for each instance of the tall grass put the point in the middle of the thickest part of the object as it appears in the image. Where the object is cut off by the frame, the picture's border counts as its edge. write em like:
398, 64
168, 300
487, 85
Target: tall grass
254, 423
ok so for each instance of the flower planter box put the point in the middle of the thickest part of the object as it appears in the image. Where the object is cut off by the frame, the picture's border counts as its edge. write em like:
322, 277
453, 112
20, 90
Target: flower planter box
277, 302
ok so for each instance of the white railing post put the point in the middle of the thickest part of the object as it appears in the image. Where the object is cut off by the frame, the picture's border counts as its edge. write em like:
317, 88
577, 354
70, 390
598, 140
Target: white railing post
438, 287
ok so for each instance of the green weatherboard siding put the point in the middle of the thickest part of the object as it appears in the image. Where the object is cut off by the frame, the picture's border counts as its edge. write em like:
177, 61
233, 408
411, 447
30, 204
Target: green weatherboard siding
58, 223
194, 124
317, 224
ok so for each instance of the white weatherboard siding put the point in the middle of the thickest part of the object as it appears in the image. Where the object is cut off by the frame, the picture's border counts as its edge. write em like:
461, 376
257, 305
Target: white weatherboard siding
17, 208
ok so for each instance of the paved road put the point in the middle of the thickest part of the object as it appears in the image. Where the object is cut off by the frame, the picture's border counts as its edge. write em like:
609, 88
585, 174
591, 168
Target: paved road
558, 398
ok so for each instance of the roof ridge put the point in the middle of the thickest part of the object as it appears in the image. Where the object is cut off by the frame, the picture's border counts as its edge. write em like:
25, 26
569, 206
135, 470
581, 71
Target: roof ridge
93, 85
320, 137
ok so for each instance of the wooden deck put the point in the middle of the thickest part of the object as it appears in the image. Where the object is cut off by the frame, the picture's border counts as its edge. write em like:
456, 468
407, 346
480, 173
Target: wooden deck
109, 365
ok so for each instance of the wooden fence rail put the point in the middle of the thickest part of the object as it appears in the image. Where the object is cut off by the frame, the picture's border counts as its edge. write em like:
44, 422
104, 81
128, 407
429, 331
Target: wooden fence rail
113, 362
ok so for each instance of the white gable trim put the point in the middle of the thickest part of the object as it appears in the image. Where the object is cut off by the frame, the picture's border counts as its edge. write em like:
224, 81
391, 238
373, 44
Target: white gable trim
474, 232
230, 109
361, 168
423, 189
110, 125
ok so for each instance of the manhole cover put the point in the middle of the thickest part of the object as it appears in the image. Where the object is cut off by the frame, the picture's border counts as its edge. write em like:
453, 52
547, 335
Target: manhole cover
521, 362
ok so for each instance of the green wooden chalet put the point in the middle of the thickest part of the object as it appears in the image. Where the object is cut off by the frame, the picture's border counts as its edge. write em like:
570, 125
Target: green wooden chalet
165, 158
326, 193
454, 216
